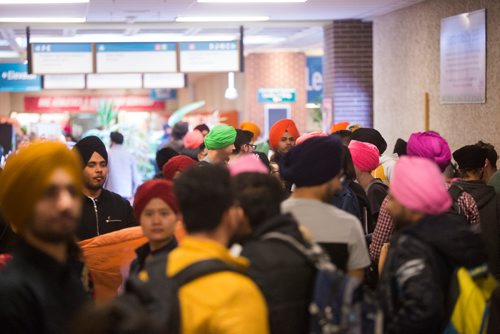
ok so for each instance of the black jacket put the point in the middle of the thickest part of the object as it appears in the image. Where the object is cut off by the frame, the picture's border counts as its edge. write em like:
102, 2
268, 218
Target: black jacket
283, 274
38, 294
110, 213
415, 280
144, 252
488, 203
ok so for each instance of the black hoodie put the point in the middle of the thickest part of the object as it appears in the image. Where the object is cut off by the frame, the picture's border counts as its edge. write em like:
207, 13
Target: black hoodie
488, 203
415, 280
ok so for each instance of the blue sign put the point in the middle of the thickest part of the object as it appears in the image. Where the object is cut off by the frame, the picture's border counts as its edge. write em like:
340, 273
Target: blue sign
135, 47
163, 94
15, 78
275, 95
61, 47
314, 79
209, 46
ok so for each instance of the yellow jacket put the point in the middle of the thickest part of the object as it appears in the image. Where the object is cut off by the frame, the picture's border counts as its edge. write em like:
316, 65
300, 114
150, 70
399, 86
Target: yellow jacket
221, 303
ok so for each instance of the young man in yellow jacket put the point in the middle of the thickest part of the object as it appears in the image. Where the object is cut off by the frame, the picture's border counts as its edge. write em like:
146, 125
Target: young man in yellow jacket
223, 302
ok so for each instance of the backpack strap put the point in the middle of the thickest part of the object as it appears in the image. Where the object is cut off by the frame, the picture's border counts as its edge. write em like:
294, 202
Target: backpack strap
456, 191
314, 254
156, 267
203, 268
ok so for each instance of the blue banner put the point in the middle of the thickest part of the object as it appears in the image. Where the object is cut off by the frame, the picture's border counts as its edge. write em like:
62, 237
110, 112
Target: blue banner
15, 78
209, 46
135, 47
163, 94
61, 47
314, 79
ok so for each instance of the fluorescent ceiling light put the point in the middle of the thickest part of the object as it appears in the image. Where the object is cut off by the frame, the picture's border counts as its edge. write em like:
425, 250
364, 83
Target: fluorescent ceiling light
9, 54
110, 38
43, 19
41, 2
249, 1
221, 18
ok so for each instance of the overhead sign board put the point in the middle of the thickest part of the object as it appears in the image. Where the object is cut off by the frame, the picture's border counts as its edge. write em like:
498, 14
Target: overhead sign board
64, 81
164, 80
209, 57
62, 58
274, 95
114, 81
15, 78
136, 57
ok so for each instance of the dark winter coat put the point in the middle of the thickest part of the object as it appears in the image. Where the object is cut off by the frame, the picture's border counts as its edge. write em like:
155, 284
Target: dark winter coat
144, 253
283, 274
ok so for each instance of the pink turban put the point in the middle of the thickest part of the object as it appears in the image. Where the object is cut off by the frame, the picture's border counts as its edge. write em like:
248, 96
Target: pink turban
430, 145
310, 135
365, 156
193, 139
247, 163
417, 184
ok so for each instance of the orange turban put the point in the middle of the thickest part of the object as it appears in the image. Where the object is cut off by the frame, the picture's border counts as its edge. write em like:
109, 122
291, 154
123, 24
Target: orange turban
252, 127
339, 126
26, 175
279, 128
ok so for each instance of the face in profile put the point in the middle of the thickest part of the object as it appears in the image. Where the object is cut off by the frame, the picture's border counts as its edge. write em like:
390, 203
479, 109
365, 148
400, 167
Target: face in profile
400, 214
158, 221
56, 213
95, 172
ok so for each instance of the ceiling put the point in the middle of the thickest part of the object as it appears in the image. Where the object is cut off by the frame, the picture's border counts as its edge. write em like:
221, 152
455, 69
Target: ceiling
293, 26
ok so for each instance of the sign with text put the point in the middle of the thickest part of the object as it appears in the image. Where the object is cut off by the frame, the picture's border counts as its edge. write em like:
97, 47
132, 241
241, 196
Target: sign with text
136, 57
164, 80
114, 81
274, 95
209, 57
64, 81
314, 79
62, 58
90, 103
163, 94
463, 58
15, 78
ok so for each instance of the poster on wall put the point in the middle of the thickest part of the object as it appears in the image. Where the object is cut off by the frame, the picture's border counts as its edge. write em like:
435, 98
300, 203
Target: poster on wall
15, 78
314, 79
463, 58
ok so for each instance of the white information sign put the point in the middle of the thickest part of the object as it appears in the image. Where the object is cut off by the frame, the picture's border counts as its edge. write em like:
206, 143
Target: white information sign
64, 81
60, 58
164, 80
103, 81
209, 57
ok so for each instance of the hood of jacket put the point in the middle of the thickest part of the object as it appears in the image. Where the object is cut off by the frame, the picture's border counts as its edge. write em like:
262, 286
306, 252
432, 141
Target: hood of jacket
481, 192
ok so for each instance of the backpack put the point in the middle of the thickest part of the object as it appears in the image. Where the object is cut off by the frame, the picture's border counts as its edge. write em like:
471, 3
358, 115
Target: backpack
158, 297
469, 300
455, 192
339, 304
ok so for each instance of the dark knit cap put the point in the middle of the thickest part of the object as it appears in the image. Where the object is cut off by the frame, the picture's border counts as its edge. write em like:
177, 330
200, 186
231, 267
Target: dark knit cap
470, 157
116, 137
180, 130
314, 162
162, 189
400, 147
242, 137
164, 155
202, 127
88, 145
371, 136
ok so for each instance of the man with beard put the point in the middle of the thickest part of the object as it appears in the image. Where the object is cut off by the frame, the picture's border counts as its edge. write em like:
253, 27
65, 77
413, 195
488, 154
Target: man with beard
40, 198
282, 136
315, 167
103, 211
428, 246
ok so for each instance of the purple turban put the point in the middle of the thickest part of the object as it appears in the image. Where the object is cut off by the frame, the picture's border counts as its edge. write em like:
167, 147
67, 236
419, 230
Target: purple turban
430, 145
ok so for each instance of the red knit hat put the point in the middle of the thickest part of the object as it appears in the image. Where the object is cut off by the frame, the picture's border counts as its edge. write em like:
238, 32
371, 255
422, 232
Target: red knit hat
162, 189
177, 164
279, 128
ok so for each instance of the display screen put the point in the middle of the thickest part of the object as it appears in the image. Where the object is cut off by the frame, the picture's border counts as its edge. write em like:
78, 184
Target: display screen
62, 58
103, 81
209, 57
136, 57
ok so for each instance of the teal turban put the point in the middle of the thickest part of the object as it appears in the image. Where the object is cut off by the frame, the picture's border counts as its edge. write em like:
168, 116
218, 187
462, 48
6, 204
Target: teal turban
220, 137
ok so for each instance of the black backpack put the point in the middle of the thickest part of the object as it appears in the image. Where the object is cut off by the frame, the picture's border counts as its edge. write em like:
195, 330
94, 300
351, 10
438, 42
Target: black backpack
158, 297
340, 304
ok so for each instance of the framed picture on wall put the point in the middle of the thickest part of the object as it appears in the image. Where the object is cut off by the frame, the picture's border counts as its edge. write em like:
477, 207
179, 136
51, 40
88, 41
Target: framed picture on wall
274, 113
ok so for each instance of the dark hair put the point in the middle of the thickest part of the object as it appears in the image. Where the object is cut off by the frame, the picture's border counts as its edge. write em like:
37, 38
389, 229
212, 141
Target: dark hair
202, 127
204, 194
349, 171
400, 148
242, 137
260, 196
491, 155
164, 155
116, 137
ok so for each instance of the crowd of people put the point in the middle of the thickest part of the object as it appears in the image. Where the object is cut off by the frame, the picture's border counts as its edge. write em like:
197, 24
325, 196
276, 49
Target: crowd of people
227, 237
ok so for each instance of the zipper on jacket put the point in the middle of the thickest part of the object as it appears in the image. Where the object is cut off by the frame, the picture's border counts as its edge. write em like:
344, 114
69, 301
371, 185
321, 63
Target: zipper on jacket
109, 220
96, 214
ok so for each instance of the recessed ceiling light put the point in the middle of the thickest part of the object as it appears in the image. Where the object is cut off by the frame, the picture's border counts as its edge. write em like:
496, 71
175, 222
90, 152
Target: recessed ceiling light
43, 19
41, 2
250, 1
221, 18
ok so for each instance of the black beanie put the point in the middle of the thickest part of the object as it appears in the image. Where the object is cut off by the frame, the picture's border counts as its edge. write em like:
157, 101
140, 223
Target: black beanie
314, 162
470, 157
164, 155
88, 145
400, 147
372, 136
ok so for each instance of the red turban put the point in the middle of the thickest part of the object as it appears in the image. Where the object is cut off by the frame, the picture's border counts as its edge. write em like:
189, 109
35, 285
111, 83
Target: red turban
279, 128
365, 156
161, 189
177, 164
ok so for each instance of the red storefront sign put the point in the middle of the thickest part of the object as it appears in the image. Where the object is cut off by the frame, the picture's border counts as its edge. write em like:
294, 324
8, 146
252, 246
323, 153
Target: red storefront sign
90, 103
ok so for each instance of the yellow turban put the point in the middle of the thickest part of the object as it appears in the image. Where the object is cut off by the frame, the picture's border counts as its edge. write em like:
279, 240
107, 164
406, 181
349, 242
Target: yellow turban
252, 127
25, 177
